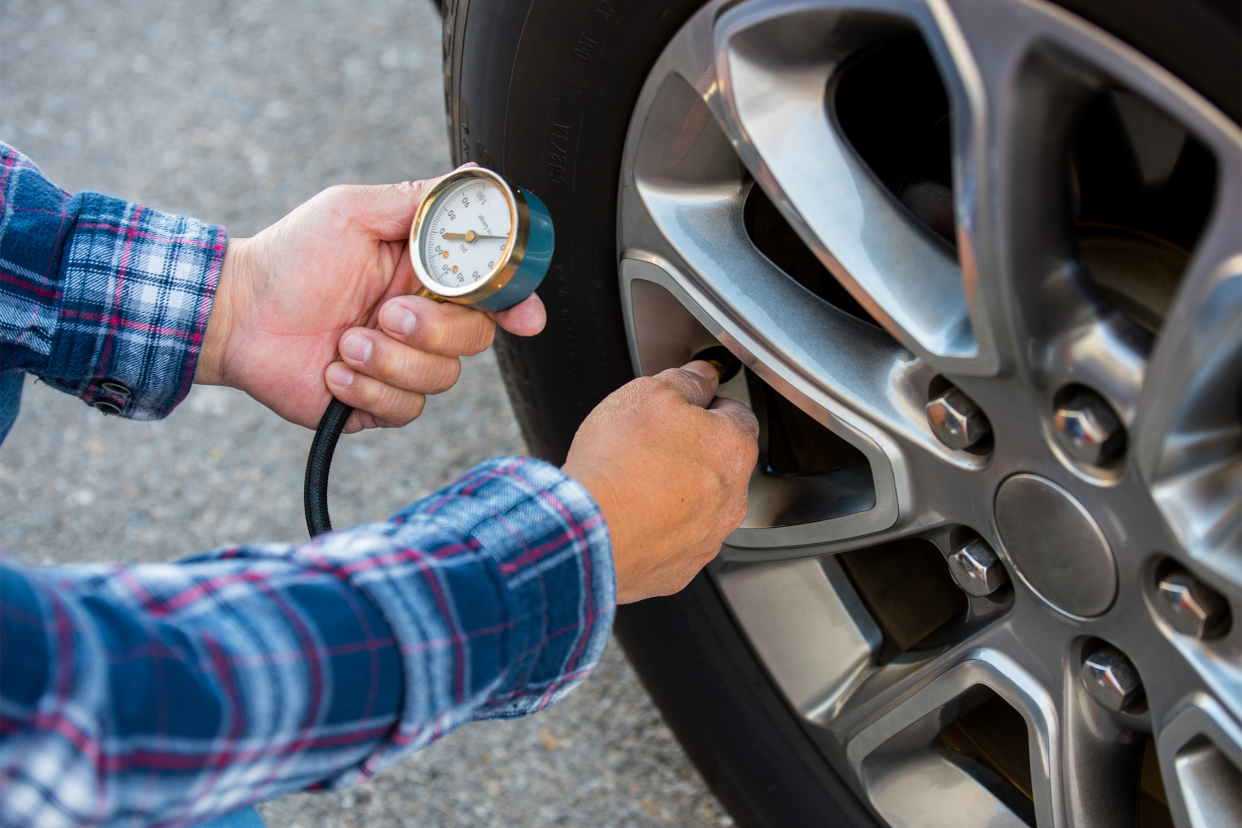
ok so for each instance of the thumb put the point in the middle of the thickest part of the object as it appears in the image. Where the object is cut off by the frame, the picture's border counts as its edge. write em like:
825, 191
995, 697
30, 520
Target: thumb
696, 381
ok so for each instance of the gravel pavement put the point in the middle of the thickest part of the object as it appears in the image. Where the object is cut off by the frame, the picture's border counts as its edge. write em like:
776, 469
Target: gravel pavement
235, 112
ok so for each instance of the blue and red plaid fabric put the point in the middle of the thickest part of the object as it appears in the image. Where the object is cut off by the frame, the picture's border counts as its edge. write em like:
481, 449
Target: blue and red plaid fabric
93, 288
173, 694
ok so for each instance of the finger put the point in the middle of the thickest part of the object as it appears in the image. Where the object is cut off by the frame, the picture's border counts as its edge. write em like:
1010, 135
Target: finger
446, 329
386, 211
358, 421
696, 381
390, 407
742, 418
403, 282
526, 318
394, 363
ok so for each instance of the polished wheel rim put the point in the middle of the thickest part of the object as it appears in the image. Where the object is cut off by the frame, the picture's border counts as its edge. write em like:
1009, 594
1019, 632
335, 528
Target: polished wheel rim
992, 556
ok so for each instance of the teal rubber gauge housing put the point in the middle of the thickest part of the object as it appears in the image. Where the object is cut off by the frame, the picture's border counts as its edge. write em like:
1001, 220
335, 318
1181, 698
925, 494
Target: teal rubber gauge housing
481, 241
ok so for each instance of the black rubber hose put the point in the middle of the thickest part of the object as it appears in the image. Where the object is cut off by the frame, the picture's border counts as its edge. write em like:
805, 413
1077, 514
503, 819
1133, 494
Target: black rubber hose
318, 464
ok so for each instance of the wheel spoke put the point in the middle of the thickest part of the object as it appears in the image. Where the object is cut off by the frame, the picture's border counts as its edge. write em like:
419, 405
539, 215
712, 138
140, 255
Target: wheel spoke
686, 220
1025, 99
914, 727
1200, 762
1099, 755
1188, 435
774, 66
790, 610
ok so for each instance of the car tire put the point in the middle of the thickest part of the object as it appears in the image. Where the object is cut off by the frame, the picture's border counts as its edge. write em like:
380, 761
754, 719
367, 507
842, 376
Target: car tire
543, 92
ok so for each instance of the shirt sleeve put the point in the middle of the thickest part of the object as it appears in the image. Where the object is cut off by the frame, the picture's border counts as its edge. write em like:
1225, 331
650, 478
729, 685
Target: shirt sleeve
172, 694
102, 298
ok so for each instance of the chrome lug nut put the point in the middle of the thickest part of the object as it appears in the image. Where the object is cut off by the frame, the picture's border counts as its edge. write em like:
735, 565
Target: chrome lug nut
956, 420
976, 569
1088, 428
1191, 607
1111, 679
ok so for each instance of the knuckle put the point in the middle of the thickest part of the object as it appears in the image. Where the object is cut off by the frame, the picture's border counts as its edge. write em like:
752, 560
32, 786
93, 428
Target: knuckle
420, 402
393, 408
743, 463
645, 386
744, 446
358, 421
433, 331
666, 375
679, 378
748, 422
390, 422
443, 373
337, 193
450, 334
736, 514
391, 363
415, 406
404, 412
411, 369
364, 393
640, 392
481, 338
740, 438
734, 464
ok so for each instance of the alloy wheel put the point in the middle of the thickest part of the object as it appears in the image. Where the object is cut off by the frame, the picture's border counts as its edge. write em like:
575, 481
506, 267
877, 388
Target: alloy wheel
981, 263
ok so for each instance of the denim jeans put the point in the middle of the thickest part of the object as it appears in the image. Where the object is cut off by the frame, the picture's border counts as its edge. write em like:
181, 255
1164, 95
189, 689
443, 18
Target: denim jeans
245, 818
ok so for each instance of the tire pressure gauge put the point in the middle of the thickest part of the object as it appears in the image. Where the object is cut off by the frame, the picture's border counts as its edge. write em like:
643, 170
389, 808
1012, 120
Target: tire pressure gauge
476, 240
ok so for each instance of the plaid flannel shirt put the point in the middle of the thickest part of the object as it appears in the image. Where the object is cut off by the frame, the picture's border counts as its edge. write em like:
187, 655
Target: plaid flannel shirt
172, 694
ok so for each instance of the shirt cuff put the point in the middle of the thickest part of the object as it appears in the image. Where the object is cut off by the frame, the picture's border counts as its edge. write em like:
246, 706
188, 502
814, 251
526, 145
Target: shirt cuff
137, 286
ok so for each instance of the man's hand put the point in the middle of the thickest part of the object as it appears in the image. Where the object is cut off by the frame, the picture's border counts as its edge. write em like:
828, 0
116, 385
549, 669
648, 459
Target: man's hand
316, 305
668, 465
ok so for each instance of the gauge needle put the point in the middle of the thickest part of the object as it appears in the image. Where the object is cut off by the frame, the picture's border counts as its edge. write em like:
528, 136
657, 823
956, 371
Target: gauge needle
469, 236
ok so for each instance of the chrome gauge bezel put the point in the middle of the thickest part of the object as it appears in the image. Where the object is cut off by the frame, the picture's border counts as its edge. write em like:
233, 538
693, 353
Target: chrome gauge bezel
511, 260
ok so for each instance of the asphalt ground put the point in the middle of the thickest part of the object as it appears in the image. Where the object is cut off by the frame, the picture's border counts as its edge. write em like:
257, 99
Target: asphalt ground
235, 112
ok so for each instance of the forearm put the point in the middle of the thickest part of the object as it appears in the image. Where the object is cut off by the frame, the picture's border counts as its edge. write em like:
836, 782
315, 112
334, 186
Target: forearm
297, 666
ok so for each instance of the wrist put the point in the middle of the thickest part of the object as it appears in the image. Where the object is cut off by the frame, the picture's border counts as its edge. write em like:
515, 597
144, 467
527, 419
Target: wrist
210, 367
600, 487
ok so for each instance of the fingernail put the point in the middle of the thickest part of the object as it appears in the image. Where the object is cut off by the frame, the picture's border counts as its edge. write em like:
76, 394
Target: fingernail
399, 319
339, 374
703, 368
356, 346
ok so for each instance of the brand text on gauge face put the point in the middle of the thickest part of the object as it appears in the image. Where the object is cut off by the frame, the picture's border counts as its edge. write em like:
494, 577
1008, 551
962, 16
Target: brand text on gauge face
468, 233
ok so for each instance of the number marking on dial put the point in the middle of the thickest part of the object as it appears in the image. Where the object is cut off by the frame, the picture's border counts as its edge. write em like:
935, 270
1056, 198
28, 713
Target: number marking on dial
477, 232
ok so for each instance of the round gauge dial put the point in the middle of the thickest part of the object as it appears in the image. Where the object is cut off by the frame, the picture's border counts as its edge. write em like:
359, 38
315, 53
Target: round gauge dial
467, 233
479, 240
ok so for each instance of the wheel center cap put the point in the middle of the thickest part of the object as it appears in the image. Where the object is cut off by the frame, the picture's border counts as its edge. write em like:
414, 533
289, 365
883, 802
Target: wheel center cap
1055, 545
